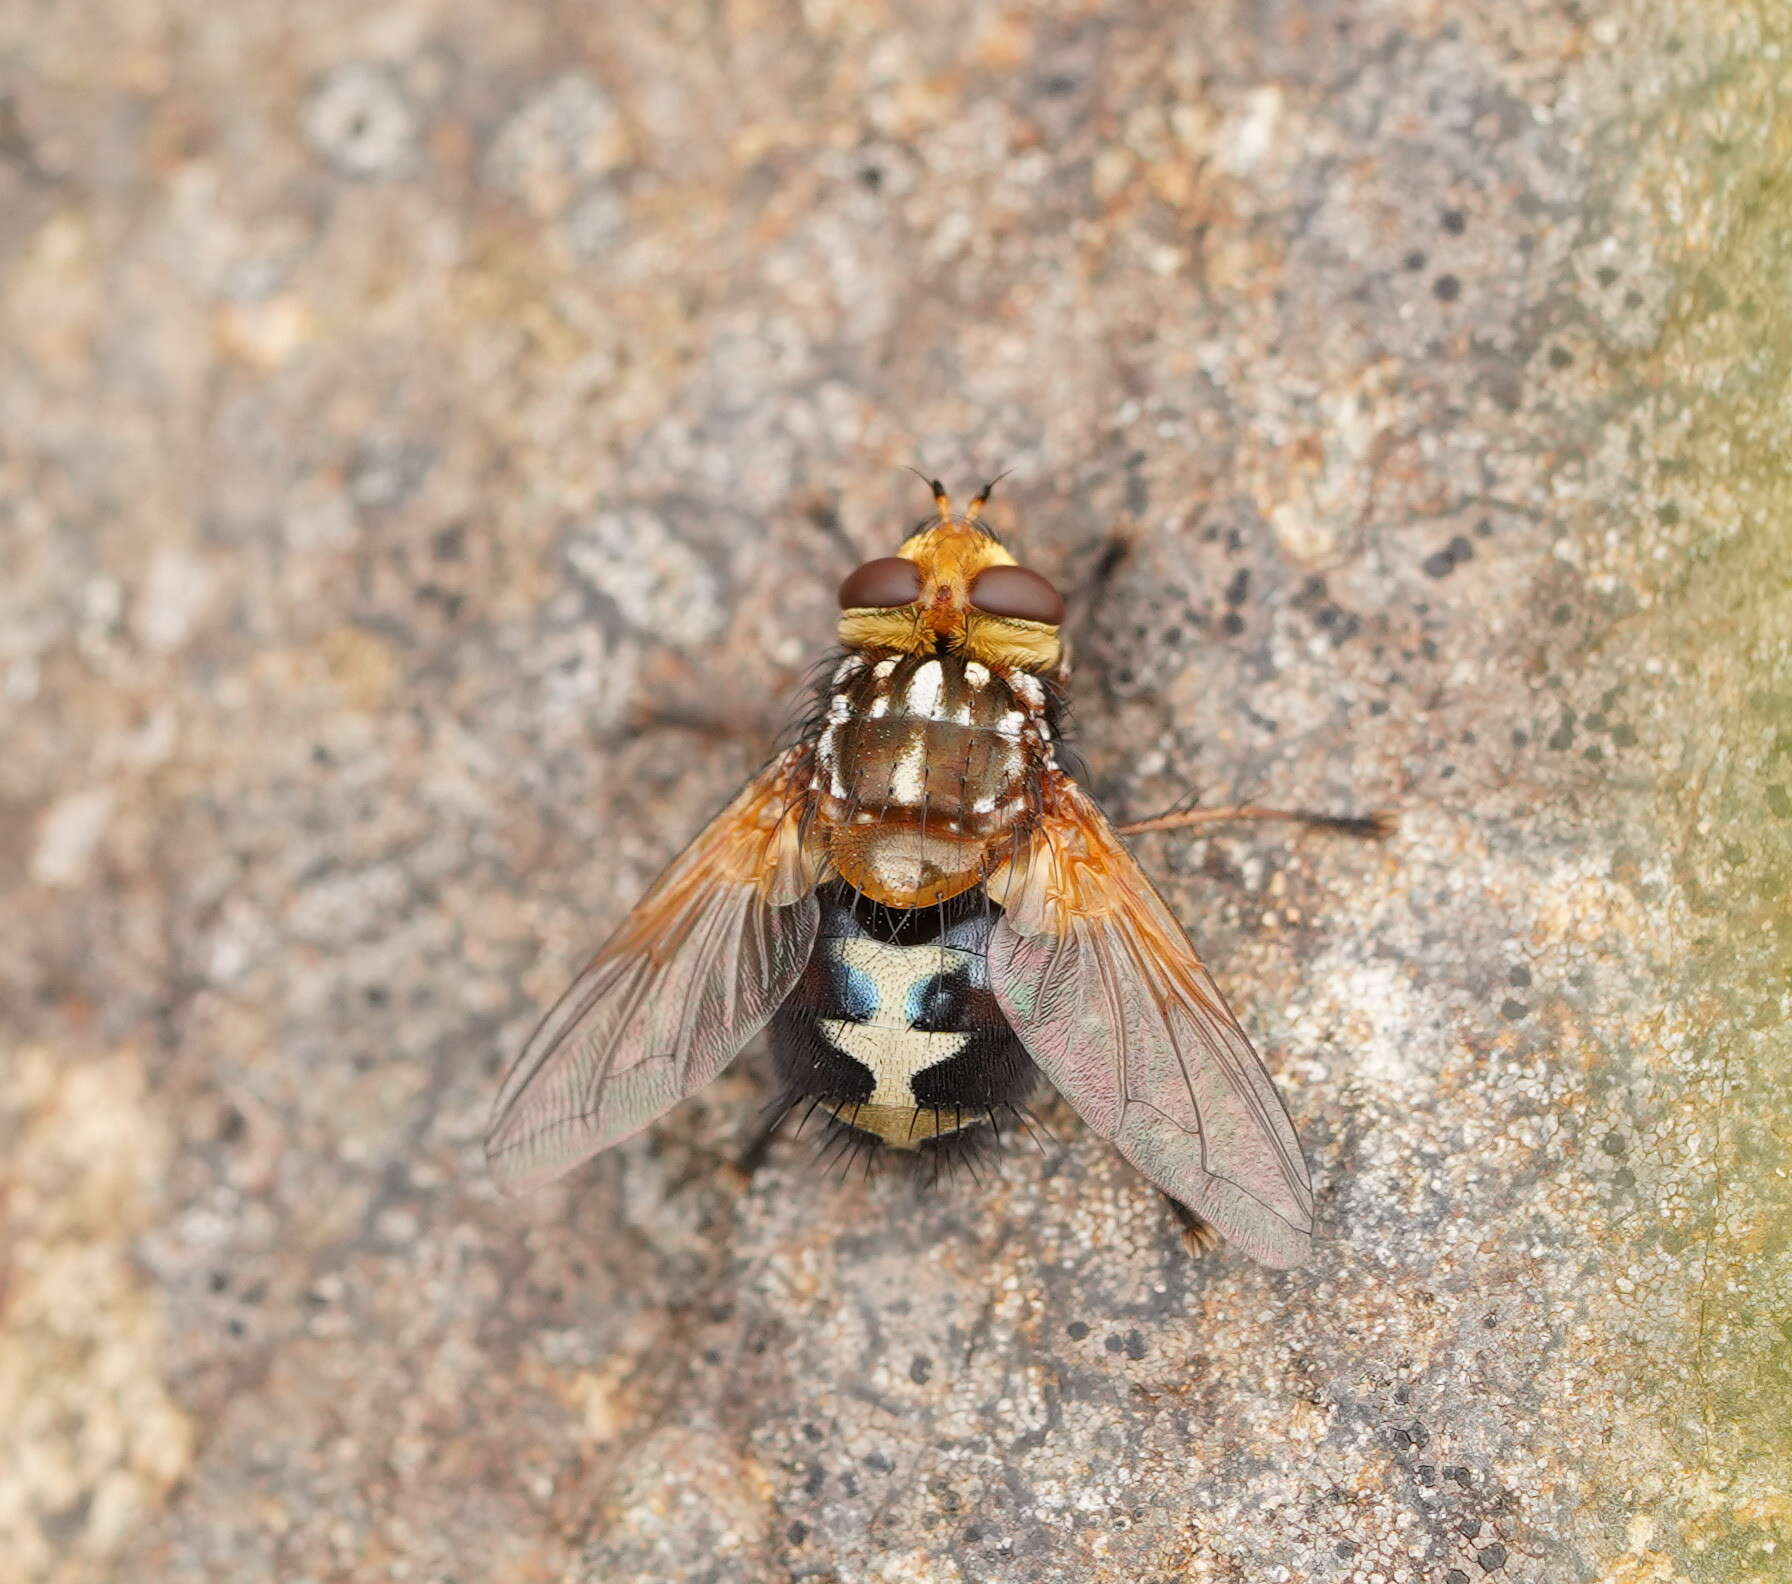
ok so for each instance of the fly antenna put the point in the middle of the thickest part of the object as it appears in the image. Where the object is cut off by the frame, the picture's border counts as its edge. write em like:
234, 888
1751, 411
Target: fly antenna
981, 498
942, 502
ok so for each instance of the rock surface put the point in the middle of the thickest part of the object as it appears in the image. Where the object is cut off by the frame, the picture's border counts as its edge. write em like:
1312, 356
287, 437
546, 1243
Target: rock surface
432, 434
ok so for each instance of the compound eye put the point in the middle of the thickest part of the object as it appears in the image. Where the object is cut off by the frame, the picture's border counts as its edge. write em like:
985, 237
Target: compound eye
887, 581
1017, 593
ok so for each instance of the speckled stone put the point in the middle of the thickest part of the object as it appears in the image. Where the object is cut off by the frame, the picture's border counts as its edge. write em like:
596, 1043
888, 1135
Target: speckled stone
430, 438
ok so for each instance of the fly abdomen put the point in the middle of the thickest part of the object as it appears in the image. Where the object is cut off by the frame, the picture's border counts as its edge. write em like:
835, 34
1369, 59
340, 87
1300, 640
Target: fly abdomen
893, 1029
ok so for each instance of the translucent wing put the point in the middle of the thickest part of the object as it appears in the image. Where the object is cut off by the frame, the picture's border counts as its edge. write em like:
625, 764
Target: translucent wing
692, 974
1102, 986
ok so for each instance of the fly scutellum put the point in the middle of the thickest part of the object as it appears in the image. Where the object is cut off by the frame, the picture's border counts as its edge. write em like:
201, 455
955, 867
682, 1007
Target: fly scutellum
929, 913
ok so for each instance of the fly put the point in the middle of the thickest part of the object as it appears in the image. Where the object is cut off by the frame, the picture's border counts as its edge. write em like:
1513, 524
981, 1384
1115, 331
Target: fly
929, 913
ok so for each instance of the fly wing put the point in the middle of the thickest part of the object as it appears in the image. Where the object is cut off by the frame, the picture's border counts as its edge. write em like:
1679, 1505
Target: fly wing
692, 974
1104, 989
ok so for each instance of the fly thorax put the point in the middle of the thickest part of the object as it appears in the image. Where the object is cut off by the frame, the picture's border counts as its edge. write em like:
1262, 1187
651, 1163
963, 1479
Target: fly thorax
924, 766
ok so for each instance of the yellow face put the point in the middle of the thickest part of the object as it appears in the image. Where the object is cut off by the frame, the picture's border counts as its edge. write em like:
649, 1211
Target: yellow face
960, 592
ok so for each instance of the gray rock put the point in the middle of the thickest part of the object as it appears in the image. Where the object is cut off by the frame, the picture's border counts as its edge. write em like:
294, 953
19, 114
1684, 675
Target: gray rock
397, 570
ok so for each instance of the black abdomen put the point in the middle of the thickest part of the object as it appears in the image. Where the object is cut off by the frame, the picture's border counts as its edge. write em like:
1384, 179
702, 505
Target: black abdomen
893, 1029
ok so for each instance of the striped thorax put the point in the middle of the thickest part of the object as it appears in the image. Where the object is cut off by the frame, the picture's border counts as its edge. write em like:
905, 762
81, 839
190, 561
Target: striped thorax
925, 767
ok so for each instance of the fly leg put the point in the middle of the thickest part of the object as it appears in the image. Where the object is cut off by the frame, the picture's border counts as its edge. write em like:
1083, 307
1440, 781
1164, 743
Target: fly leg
1198, 1236
759, 1144
1374, 826
1088, 597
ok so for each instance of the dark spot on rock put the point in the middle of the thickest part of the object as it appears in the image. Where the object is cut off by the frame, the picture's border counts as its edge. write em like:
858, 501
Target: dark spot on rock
1468, 1528
1519, 976
450, 543
360, 121
920, 1369
1439, 564
1460, 1475
1446, 288
1493, 1557
1378, 706
1344, 1550
235, 1327
871, 178
1560, 357
973, 1533
1239, 587
1415, 261
1455, 221
1426, 1474
1058, 85
218, 1281
810, 1433
1563, 736
1455, 1576
1232, 625
1778, 802
1593, 755
798, 1532
1605, 275
1668, 515
1615, 1143
1135, 1345
1633, 298
1623, 736
450, 601
878, 1463
1114, 1342
1513, 1009
1076, 1330
1562, 615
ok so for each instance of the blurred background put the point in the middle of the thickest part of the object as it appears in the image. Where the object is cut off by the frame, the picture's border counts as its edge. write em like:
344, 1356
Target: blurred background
430, 438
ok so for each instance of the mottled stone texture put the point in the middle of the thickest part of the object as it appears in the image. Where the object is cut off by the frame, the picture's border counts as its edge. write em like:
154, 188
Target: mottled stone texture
430, 434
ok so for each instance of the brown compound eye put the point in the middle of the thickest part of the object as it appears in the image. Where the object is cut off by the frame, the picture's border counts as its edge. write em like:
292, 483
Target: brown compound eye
887, 581
1015, 592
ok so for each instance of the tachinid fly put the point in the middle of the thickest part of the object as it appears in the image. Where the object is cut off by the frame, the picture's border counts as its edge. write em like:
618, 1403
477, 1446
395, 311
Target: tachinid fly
928, 912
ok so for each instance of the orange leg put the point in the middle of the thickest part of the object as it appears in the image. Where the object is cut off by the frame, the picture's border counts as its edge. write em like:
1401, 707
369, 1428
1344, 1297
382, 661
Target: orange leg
1379, 824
